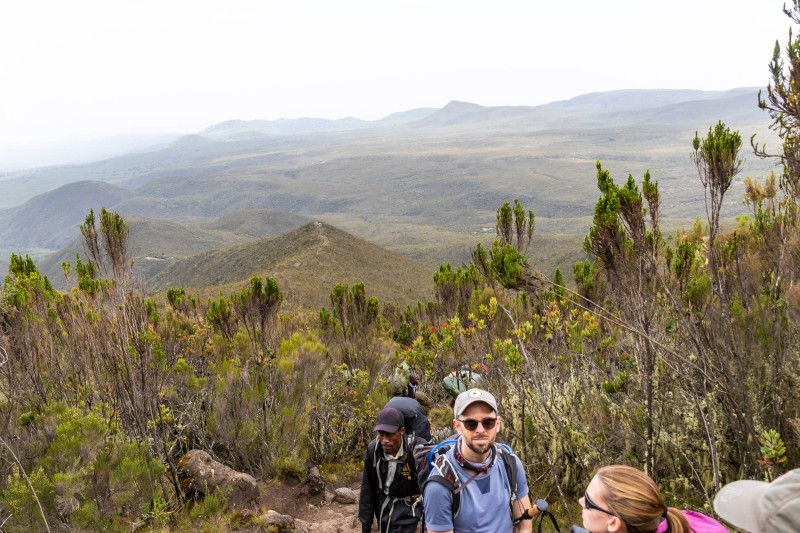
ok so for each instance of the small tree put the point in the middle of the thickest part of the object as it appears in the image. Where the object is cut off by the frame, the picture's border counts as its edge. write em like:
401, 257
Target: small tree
221, 317
108, 247
353, 310
453, 288
627, 244
505, 262
257, 307
717, 160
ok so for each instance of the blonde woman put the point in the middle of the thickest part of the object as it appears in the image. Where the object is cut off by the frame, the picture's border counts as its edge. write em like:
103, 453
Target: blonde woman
624, 499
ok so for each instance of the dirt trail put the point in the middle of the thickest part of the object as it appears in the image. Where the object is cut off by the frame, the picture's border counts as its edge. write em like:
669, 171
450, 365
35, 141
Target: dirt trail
316, 512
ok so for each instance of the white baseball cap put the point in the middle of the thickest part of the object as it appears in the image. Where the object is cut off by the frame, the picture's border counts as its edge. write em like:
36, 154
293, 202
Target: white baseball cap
760, 507
468, 397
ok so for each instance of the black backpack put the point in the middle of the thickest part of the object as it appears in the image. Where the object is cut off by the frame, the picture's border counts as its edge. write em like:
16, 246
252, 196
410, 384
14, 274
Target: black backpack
414, 418
428, 455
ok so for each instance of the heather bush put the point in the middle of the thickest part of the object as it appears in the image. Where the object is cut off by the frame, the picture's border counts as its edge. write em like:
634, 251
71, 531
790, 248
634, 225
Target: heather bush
259, 413
343, 415
86, 475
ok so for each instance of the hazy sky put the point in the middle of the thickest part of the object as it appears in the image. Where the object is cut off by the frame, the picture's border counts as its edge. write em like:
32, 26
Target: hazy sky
82, 69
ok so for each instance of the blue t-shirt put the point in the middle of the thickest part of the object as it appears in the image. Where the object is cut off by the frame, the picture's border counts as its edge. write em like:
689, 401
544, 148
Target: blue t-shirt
485, 502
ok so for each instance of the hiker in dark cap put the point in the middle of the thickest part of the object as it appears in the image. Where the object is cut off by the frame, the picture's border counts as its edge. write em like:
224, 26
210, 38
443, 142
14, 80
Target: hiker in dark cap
389, 486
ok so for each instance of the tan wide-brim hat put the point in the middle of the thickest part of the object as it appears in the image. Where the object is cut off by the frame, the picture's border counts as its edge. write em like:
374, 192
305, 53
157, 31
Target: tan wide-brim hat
760, 507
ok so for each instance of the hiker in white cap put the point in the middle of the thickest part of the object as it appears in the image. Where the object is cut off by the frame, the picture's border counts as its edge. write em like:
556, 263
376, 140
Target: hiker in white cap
760, 507
486, 500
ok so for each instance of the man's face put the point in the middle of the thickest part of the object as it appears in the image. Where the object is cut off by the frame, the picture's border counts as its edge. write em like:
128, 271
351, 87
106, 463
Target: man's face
390, 442
480, 439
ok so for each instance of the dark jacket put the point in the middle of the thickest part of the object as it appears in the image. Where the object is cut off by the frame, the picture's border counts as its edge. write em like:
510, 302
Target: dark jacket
397, 508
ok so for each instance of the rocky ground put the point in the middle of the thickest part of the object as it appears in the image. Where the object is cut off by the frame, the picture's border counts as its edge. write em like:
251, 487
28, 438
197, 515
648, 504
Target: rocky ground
333, 509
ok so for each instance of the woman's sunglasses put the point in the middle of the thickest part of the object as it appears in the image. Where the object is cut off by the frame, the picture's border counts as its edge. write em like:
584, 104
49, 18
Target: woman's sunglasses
589, 504
471, 425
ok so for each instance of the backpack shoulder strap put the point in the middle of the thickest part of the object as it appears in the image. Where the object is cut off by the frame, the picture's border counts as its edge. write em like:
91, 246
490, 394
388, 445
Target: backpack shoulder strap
446, 475
409, 457
376, 463
510, 464
446, 471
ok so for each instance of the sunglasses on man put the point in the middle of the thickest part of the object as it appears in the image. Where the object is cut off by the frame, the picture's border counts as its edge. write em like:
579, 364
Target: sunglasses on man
471, 424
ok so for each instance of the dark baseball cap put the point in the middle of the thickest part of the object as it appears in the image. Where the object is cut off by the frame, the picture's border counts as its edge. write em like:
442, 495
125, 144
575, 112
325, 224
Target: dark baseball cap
389, 420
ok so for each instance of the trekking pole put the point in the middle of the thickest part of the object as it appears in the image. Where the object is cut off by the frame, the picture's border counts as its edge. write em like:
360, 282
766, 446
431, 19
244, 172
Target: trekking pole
540, 506
540, 509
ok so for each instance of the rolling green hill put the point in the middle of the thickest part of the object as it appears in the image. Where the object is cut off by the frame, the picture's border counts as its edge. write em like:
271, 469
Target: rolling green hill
307, 263
154, 244
52, 218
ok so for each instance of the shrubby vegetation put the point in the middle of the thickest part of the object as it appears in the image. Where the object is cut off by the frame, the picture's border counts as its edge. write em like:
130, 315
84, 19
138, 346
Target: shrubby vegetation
674, 353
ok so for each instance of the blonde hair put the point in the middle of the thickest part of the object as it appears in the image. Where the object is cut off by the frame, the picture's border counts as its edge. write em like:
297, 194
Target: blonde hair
632, 496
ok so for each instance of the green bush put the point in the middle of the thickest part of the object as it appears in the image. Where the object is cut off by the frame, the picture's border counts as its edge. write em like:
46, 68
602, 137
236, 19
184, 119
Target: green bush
343, 413
84, 476
21, 504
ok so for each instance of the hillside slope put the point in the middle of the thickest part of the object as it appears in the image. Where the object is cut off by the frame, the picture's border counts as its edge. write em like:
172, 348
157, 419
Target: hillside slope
307, 263
50, 219
154, 244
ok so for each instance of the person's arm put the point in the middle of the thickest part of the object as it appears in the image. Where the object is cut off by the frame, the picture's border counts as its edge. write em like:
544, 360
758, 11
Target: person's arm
438, 502
519, 506
523, 502
366, 500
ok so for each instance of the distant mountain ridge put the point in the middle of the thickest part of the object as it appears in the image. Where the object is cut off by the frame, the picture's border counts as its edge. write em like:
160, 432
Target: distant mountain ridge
599, 109
284, 126
81, 152
456, 113
102, 148
423, 182
631, 99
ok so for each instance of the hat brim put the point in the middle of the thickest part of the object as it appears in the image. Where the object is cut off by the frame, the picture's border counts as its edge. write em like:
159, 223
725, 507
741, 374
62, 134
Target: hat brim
386, 428
737, 503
